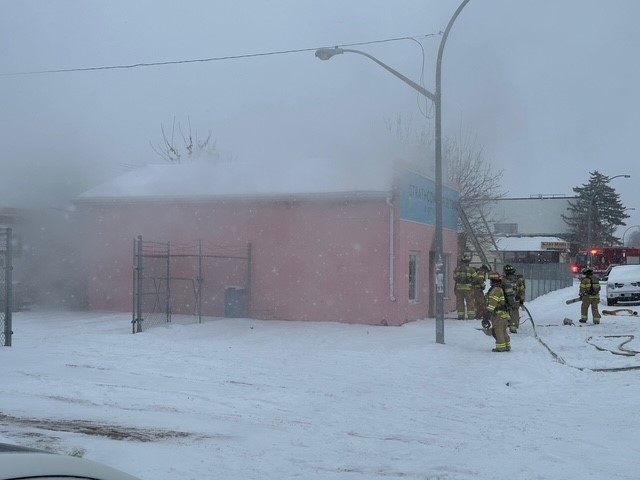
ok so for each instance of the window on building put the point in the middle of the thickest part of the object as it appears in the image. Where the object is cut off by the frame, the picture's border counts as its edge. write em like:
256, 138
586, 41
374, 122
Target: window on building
413, 277
532, 257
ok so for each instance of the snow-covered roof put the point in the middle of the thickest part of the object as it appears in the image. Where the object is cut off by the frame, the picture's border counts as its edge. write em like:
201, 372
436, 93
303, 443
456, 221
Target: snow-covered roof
530, 244
202, 179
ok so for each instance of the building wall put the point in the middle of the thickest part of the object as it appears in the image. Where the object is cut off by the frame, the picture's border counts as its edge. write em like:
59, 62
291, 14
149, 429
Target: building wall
321, 260
540, 215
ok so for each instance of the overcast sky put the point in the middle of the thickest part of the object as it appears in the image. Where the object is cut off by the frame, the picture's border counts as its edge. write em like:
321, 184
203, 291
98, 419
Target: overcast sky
547, 89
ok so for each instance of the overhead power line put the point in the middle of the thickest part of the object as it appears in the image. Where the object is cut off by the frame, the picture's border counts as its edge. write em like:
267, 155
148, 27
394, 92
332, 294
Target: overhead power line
203, 60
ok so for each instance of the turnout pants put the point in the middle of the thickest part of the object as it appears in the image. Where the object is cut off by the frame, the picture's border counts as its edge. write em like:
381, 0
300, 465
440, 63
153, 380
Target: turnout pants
590, 301
514, 319
481, 302
465, 296
500, 322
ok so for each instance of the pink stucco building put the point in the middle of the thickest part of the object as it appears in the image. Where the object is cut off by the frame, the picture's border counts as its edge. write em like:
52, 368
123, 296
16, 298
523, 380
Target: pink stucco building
327, 243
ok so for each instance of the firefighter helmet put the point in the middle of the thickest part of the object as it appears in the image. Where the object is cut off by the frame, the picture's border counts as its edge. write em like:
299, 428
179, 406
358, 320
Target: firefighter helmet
509, 269
587, 271
466, 258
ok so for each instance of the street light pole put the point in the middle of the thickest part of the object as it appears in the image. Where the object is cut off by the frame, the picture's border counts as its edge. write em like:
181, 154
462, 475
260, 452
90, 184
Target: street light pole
326, 54
439, 236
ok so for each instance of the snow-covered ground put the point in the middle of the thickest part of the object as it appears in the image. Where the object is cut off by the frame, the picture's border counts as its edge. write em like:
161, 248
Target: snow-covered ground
247, 399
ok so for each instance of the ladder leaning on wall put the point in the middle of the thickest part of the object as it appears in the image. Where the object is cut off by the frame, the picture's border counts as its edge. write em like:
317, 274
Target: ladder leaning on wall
474, 239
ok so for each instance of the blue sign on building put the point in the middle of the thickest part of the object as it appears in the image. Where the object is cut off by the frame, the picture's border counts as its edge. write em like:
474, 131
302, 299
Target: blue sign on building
418, 201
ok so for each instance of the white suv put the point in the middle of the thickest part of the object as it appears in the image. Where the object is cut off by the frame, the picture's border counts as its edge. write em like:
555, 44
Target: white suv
623, 284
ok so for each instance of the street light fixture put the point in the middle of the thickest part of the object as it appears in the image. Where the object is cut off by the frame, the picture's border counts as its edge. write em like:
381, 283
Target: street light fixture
326, 54
589, 209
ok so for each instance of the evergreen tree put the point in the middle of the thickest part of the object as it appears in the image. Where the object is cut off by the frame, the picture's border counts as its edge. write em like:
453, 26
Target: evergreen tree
595, 214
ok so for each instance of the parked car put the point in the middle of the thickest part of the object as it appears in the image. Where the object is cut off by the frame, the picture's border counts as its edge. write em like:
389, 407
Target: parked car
605, 275
20, 463
623, 285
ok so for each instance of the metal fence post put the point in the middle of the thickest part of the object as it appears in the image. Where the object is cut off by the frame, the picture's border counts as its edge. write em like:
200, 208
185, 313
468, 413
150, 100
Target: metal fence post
134, 280
168, 292
199, 282
139, 272
8, 283
249, 267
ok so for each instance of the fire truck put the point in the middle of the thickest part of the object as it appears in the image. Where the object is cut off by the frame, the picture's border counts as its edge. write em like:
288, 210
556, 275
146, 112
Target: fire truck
600, 259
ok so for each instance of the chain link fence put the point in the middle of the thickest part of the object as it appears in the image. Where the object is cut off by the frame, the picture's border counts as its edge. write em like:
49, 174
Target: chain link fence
542, 278
188, 281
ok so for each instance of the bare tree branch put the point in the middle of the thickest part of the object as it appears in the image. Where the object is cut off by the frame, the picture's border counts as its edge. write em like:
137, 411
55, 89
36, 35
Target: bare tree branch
191, 146
468, 169
479, 184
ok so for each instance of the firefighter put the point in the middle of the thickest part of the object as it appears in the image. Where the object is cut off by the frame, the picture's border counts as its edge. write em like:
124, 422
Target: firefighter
464, 275
479, 282
496, 317
590, 295
514, 288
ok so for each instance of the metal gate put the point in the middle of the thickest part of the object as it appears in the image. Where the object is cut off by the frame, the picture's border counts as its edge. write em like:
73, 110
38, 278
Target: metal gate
190, 280
6, 286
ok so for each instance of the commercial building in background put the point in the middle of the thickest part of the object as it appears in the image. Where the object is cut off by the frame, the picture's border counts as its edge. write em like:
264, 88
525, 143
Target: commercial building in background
531, 230
324, 241
529, 234
539, 215
534, 249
